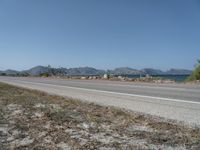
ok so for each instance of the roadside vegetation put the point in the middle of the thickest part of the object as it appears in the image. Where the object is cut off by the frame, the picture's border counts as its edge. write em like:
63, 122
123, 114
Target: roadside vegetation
196, 73
35, 120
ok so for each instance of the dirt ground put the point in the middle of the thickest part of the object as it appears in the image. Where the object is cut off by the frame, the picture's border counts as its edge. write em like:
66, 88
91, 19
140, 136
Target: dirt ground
35, 120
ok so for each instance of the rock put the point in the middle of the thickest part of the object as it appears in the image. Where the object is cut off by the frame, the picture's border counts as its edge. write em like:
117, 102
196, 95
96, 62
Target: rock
169, 81
83, 78
90, 78
94, 77
105, 76
121, 78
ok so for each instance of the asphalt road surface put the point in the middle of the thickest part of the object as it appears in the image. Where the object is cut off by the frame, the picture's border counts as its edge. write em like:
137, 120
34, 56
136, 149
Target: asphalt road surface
172, 101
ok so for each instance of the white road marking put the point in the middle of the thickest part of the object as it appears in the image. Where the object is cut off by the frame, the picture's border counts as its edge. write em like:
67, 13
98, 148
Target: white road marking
118, 93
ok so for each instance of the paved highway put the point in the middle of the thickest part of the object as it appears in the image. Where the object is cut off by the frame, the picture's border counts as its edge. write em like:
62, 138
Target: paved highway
173, 101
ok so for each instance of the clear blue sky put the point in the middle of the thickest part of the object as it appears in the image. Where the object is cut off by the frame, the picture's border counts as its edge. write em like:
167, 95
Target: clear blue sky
104, 34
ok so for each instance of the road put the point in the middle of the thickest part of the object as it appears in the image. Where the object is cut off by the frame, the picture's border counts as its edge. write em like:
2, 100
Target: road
179, 102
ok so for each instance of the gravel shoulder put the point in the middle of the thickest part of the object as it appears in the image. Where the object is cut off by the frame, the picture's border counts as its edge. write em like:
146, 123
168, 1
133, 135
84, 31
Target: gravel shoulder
31, 119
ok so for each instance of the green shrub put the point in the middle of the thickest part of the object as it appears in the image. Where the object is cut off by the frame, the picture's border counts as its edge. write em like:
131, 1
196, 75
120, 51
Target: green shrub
196, 73
3, 74
44, 75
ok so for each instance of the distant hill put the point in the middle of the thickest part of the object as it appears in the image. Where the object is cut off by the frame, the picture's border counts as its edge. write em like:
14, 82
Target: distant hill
88, 71
10, 72
151, 71
125, 71
84, 71
178, 72
38, 70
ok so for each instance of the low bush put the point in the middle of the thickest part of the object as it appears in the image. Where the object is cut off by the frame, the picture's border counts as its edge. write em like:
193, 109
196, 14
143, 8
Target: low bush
196, 73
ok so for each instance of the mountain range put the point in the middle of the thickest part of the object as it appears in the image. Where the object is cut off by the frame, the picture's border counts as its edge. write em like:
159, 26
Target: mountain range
87, 71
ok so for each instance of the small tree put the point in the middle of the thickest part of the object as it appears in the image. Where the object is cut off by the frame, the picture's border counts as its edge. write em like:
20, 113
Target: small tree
196, 73
44, 75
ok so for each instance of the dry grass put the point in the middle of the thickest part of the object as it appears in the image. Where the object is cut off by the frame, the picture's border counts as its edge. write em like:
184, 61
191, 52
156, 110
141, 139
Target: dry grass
35, 120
